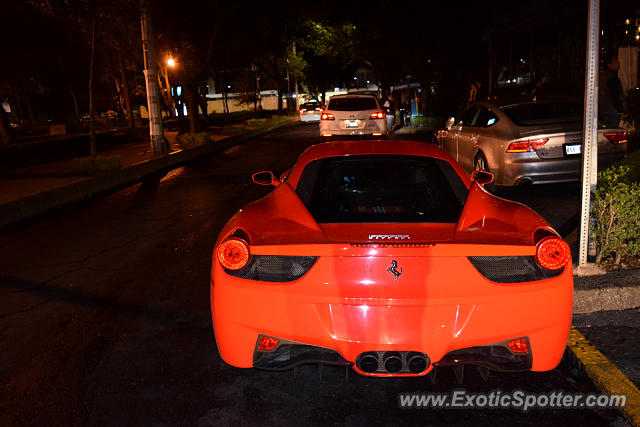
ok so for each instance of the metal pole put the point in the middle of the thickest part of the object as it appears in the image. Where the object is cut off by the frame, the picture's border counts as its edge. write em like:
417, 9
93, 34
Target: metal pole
156, 133
590, 133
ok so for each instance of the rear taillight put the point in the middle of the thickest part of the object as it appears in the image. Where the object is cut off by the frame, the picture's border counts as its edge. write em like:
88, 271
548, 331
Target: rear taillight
616, 137
553, 253
327, 116
378, 115
526, 146
233, 253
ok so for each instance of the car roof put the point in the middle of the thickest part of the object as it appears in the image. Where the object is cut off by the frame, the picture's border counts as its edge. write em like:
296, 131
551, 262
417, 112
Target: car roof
511, 101
367, 147
354, 95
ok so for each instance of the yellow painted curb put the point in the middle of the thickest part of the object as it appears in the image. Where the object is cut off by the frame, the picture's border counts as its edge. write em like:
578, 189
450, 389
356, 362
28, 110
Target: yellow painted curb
605, 375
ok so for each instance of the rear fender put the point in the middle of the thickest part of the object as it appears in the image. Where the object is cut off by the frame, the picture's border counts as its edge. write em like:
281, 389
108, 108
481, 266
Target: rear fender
484, 212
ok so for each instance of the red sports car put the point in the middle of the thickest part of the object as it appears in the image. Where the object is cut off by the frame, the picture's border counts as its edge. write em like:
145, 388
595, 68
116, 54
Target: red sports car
387, 257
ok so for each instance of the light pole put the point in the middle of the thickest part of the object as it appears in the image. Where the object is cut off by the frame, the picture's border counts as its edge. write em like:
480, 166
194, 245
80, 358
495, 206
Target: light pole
164, 68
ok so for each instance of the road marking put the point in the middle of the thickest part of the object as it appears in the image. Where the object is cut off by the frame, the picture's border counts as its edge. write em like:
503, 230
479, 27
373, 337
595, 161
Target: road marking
605, 375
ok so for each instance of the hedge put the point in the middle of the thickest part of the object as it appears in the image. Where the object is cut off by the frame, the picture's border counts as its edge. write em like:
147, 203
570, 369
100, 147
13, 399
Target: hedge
616, 210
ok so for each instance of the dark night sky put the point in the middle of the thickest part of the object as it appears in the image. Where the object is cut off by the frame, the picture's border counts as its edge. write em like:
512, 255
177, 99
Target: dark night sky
43, 52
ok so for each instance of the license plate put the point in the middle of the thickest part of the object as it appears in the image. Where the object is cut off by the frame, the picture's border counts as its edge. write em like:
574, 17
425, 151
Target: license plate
572, 149
351, 123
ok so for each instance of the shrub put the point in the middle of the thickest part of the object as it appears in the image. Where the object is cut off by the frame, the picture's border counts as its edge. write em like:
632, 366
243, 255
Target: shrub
198, 138
257, 122
616, 209
425, 122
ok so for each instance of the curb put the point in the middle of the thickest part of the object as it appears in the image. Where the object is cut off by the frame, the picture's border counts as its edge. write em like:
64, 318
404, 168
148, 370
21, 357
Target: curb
605, 299
28, 207
604, 374
603, 293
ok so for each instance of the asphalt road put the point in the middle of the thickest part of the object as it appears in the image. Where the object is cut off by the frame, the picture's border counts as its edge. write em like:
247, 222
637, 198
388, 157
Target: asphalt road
104, 320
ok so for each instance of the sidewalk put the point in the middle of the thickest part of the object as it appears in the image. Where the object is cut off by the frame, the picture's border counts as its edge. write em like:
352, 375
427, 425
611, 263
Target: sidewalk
30, 191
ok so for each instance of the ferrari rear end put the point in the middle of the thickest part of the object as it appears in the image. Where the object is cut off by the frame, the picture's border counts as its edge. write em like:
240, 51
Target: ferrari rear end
392, 264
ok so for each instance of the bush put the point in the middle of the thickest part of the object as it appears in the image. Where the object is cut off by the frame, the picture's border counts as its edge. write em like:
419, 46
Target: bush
257, 122
198, 138
425, 122
616, 209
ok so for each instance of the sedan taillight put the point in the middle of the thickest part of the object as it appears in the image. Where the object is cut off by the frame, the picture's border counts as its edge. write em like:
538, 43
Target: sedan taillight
378, 115
526, 146
617, 137
327, 116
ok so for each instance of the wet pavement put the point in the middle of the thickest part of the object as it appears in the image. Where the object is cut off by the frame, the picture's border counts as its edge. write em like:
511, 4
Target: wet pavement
104, 319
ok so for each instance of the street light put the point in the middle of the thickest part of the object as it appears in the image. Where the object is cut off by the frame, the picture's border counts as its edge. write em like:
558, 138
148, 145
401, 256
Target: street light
171, 62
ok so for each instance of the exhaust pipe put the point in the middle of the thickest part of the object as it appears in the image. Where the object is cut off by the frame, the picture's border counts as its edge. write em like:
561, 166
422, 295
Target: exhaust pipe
392, 362
417, 362
368, 363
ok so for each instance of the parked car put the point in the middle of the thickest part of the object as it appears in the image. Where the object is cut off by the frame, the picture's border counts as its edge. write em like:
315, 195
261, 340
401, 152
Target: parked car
310, 111
391, 260
526, 143
353, 115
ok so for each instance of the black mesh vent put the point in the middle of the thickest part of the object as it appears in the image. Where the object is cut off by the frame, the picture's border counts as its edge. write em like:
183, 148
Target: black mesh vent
274, 268
512, 269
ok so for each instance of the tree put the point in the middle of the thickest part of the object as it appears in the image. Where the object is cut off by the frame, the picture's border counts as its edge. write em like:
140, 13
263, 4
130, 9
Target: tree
104, 26
193, 32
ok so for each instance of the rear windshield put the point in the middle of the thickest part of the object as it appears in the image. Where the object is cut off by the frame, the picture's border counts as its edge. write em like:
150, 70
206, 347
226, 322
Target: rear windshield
311, 105
543, 113
352, 104
377, 188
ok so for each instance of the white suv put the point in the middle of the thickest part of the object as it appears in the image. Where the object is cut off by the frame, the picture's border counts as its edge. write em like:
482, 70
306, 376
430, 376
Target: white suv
353, 115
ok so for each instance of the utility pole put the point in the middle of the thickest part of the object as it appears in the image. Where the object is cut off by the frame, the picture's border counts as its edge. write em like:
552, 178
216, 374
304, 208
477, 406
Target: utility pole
590, 138
156, 133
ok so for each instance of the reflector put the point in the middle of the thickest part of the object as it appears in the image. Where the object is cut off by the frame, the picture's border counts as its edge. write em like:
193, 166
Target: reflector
267, 343
518, 345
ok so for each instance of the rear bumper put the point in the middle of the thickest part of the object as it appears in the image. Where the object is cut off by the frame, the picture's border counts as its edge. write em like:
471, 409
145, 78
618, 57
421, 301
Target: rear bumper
310, 117
528, 168
447, 314
367, 127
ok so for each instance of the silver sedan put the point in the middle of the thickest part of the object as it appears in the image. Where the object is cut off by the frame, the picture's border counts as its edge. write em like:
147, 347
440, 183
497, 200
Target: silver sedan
526, 143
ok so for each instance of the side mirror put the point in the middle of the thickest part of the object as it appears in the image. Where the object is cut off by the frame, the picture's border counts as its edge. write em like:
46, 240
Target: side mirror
449, 123
265, 178
482, 177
